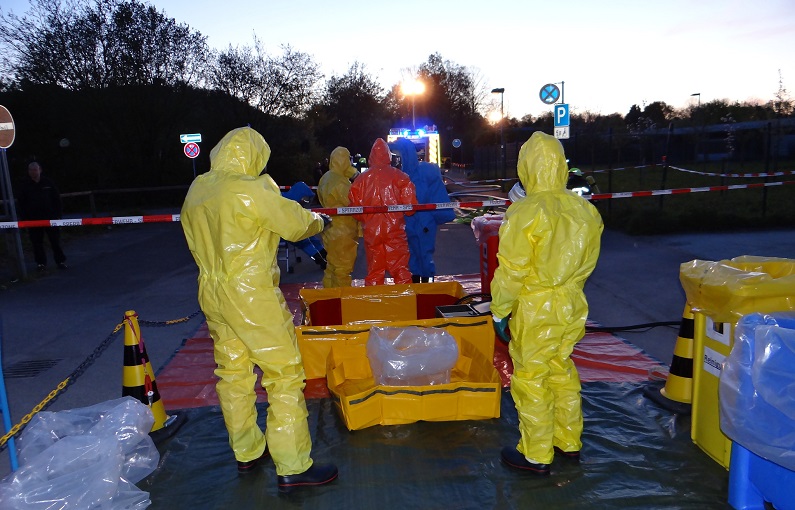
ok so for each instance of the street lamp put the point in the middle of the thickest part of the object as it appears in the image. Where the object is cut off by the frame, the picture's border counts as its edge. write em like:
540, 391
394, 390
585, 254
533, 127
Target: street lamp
413, 88
699, 98
501, 92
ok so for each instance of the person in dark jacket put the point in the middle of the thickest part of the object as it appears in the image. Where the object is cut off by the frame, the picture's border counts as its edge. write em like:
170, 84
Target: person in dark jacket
39, 200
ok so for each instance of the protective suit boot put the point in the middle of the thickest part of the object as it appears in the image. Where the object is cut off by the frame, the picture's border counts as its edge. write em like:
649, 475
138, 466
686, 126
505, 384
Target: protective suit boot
317, 474
426, 279
415, 278
512, 458
570, 456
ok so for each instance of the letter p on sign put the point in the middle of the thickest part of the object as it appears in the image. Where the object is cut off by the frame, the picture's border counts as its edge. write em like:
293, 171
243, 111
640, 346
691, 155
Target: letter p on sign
561, 115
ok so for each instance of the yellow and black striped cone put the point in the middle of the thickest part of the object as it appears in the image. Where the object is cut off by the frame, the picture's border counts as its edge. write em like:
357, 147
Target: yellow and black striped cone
138, 380
678, 390
679, 385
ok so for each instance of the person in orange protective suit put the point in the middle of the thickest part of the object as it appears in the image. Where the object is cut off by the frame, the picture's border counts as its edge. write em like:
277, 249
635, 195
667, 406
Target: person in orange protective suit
385, 241
233, 218
341, 239
549, 245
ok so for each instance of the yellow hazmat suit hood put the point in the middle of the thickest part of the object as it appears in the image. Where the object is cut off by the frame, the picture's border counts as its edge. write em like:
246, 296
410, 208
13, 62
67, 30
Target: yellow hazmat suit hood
243, 151
340, 163
542, 164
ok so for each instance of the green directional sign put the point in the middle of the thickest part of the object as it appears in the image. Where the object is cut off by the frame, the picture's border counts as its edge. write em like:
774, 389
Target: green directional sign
191, 138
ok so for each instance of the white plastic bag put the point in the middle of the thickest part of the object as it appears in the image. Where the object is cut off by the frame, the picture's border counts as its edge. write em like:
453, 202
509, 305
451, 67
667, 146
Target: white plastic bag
411, 356
87, 458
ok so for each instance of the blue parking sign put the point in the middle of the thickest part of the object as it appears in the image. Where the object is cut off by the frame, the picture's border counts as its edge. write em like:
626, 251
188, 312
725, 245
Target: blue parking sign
561, 115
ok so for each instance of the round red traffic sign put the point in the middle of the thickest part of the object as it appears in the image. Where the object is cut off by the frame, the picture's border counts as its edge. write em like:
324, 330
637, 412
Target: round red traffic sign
7, 131
191, 150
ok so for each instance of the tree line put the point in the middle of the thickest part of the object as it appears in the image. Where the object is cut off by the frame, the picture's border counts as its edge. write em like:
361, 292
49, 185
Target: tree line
101, 89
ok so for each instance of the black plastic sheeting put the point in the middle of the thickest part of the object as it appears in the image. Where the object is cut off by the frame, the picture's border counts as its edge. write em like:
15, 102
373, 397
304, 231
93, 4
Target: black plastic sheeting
636, 454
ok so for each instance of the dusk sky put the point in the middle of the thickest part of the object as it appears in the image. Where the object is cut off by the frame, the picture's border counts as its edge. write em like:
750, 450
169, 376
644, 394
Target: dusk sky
608, 54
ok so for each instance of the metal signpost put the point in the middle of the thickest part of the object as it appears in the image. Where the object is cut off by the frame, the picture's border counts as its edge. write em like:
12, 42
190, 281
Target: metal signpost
549, 94
456, 145
191, 148
7, 135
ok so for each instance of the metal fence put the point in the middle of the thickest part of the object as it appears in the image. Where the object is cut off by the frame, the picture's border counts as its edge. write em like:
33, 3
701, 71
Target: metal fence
764, 145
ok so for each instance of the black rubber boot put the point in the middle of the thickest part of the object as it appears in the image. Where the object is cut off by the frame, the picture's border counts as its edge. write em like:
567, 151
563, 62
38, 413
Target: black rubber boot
318, 474
512, 458
415, 278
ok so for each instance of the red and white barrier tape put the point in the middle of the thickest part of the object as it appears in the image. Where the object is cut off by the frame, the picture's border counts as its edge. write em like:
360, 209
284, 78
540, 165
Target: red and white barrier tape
759, 174
343, 211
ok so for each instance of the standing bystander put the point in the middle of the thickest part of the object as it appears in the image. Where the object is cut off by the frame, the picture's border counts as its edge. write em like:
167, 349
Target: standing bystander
39, 200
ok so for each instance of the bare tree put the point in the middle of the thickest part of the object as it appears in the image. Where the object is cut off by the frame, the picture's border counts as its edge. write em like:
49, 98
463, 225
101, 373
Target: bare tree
280, 85
82, 44
234, 72
783, 105
353, 111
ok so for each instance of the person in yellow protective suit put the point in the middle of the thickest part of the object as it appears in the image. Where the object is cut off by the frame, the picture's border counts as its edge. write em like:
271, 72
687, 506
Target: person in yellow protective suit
385, 242
341, 239
233, 218
549, 245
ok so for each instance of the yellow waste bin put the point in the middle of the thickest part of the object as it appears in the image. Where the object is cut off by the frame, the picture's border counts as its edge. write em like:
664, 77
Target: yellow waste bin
720, 293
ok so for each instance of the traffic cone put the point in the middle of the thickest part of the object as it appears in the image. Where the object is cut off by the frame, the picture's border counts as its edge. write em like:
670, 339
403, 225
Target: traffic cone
138, 380
677, 394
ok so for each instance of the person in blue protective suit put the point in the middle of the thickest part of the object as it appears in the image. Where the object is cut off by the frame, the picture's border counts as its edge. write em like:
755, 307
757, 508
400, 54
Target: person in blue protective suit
421, 227
233, 218
313, 246
386, 247
342, 237
549, 245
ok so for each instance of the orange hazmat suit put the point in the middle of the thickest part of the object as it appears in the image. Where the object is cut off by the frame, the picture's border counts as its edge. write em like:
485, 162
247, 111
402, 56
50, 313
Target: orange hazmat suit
385, 242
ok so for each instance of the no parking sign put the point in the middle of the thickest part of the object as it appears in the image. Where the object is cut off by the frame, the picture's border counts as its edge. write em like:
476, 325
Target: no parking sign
191, 150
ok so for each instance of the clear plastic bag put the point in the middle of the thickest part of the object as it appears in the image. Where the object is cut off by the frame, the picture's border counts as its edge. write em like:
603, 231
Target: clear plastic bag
411, 356
757, 387
87, 458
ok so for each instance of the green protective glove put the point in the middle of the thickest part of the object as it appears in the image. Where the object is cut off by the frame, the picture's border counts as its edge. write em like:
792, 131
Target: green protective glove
501, 328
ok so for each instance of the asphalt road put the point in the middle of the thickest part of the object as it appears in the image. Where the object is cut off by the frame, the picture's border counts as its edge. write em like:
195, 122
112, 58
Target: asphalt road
54, 322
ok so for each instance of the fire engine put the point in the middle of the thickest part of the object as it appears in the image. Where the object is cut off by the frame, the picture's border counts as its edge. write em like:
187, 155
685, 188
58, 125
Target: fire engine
426, 140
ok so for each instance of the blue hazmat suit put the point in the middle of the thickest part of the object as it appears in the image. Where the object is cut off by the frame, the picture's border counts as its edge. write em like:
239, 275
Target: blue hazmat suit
300, 192
421, 227
341, 238
385, 241
549, 245
233, 219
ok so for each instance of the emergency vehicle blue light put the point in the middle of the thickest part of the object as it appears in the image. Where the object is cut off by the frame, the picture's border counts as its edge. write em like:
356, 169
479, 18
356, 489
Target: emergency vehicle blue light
421, 132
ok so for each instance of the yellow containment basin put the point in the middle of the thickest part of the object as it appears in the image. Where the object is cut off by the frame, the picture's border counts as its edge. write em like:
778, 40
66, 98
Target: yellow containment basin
720, 294
377, 303
340, 354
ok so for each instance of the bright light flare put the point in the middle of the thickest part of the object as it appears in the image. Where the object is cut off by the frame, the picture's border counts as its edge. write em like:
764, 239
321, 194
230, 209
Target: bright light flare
412, 88
494, 117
